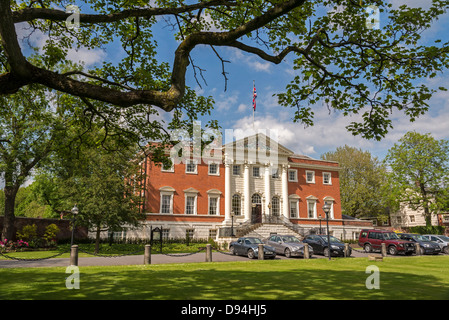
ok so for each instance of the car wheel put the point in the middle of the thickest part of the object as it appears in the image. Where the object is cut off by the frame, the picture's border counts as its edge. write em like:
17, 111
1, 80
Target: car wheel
422, 251
392, 250
368, 248
251, 254
326, 252
446, 250
287, 253
232, 251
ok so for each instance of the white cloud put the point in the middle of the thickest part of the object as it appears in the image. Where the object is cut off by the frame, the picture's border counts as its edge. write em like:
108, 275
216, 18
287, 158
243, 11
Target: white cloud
87, 57
251, 60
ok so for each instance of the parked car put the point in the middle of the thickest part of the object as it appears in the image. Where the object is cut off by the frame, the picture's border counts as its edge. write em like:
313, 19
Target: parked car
320, 245
249, 246
288, 245
372, 239
426, 246
442, 241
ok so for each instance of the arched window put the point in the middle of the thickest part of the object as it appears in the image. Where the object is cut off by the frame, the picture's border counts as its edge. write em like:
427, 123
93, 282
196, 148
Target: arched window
236, 205
256, 199
275, 208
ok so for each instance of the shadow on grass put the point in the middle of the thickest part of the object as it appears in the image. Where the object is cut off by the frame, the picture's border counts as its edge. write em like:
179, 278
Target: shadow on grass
214, 283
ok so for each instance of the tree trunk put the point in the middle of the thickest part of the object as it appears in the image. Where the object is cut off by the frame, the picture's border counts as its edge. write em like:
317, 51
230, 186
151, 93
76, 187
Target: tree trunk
8, 231
97, 239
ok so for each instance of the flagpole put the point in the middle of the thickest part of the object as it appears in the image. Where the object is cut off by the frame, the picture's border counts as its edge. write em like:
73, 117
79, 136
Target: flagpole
254, 85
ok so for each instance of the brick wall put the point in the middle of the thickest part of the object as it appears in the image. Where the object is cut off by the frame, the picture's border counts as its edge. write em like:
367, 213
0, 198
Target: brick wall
63, 225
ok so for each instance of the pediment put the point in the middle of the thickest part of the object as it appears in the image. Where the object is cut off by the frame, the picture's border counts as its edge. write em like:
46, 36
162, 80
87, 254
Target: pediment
258, 142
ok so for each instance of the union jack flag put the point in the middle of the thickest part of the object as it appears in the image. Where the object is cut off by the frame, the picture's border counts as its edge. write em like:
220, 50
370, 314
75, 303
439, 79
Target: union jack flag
254, 97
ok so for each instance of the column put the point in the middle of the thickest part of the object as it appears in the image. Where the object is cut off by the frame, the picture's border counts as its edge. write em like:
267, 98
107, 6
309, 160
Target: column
284, 182
246, 195
267, 188
228, 195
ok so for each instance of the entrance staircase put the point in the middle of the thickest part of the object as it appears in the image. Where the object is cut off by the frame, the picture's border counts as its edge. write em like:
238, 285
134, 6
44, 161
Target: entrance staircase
264, 230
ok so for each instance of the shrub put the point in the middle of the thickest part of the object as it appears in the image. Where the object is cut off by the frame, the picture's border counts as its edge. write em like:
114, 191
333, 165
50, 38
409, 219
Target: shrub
427, 229
13, 246
50, 233
29, 232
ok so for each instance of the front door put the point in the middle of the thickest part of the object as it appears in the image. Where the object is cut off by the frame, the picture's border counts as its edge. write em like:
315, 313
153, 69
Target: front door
256, 216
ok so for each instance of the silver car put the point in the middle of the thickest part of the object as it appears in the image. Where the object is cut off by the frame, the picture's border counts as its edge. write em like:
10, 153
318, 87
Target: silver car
287, 245
442, 241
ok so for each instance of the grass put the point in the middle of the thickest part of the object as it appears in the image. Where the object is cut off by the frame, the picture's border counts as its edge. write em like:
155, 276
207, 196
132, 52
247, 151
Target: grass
400, 278
105, 249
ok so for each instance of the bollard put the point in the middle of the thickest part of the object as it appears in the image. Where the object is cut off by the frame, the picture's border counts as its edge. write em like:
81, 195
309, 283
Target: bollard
74, 255
208, 253
346, 249
384, 250
261, 255
418, 249
306, 251
147, 255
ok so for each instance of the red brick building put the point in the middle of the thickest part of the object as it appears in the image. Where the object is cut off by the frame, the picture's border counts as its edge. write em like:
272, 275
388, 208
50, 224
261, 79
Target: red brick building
255, 180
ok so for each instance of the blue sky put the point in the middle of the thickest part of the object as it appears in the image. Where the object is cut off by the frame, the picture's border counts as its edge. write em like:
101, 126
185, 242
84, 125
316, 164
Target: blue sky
233, 108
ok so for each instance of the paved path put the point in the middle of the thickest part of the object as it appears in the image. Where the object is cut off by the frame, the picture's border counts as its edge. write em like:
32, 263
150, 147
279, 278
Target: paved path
139, 259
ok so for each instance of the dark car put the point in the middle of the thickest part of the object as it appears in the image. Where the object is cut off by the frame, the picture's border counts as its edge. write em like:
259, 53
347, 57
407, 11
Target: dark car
288, 245
249, 246
320, 245
372, 239
426, 246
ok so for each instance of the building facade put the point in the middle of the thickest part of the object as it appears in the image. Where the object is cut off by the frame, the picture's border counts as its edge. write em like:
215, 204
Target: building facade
255, 180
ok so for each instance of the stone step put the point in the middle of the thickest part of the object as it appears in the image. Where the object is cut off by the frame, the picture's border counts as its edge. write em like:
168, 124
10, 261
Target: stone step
265, 230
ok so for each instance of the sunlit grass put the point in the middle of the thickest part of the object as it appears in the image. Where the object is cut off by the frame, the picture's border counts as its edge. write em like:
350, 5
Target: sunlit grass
400, 278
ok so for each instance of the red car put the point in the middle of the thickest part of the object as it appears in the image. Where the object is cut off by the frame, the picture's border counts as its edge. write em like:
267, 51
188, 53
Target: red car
372, 239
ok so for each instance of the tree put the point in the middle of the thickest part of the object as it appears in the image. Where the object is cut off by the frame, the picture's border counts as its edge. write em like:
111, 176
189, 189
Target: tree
419, 166
31, 128
361, 181
105, 185
343, 61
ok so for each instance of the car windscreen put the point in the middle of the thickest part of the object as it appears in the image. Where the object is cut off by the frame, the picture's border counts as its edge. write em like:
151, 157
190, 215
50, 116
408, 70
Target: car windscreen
419, 237
254, 240
444, 238
332, 239
290, 239
391, 236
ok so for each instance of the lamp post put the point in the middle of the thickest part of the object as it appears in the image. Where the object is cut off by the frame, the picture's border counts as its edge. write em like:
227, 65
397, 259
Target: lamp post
326, 209
319, 217
75, 212
232, 223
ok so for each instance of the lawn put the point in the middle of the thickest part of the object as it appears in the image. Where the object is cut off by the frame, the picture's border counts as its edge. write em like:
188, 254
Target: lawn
400, 278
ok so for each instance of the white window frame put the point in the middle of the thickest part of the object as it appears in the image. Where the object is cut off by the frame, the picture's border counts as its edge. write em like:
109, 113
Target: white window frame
209, 166
172, 168
330, 178
239, 204
278, 206
213, 193
275, 173
290, 207
313, 176
217, 203
330, 201
311, 204
239, 169
296, 175
259, 175
190, 161
187, 196
170, 194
